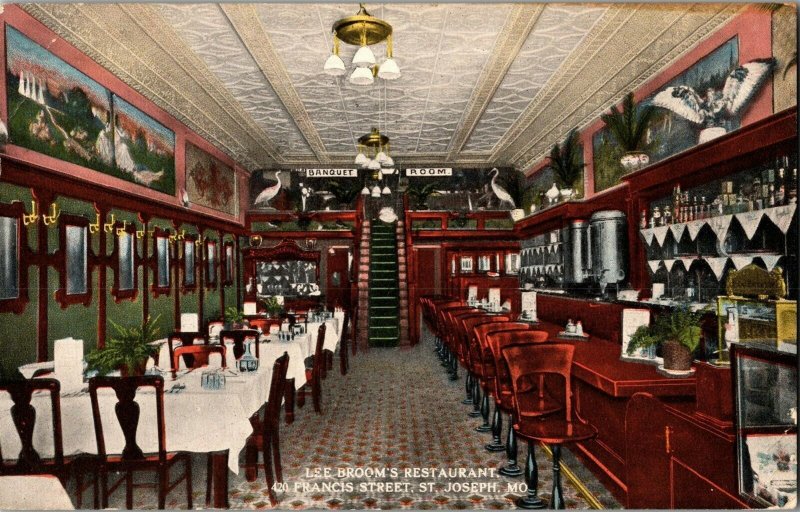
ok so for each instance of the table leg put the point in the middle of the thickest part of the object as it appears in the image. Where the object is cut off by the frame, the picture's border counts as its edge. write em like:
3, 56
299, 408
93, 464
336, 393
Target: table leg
289, 399
219, 465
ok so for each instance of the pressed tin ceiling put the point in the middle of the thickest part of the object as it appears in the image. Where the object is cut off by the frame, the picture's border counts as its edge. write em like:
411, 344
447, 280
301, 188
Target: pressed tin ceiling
481, 84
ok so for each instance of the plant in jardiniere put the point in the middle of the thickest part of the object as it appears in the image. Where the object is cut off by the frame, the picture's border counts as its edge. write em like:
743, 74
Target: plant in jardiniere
234, 317
565, 160
678, 333
127, 350
272, 306
628, 127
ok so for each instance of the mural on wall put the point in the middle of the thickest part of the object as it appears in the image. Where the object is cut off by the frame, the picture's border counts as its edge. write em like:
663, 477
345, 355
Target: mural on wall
468, 190
292, 190
669, 133
56, 110
209, 182
545, 187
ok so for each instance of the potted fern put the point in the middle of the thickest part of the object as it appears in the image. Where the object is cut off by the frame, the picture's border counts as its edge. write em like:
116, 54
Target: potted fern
628, 127
234, 319
273, 307
678, 333
127, 350
565, 160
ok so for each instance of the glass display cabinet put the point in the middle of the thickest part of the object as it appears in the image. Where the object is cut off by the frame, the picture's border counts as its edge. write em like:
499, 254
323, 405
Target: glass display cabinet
765, 382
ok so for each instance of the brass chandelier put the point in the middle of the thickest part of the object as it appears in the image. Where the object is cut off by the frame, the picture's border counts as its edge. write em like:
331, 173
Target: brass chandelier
363, 30
373, 154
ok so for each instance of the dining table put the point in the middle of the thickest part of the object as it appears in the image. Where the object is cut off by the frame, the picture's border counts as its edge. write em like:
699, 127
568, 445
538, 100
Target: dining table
33, 492
196, 419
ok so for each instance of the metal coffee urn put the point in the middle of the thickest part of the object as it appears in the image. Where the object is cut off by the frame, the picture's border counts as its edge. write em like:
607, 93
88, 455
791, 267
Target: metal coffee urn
609, 248
578, 256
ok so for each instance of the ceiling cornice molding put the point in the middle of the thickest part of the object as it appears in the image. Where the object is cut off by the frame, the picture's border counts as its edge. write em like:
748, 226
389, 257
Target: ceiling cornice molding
245, 20
208, 110
582, 112
513, 35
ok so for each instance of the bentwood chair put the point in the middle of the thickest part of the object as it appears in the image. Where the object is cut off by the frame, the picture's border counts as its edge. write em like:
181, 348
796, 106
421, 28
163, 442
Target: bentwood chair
266, 430
526, 364
504, 392
132, 457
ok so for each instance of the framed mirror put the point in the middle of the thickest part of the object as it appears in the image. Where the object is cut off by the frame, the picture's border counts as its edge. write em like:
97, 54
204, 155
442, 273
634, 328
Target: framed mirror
125, 276
161, 281
189, 264
211, 264
229, 261
75, 282
13, 252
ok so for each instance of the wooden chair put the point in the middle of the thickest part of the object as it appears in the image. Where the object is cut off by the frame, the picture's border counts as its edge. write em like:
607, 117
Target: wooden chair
23, 414
265, 436
504, 392
314, 374
239, 337
526, 363
132, 458
185, 339
200, 355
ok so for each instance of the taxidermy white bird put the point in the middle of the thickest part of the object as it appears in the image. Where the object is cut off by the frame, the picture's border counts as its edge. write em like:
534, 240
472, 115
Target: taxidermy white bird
717, 106
266, 195
499, 191
552, 194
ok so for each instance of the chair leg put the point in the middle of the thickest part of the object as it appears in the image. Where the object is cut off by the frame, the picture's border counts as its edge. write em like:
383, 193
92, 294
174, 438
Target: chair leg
497, 430
557, 500
104, 484
267, 455
129, 491
188, 462
79, 489
511, 468
485, 413
276, 454
209, 473
532, 500
343, 361
316, 393
162, 487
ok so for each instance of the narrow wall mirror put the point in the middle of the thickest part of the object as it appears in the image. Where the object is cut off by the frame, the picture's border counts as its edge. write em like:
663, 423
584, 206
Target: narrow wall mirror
125, 278
211, 264
188, 264
229, 262
9, 258
162, 281
75, 282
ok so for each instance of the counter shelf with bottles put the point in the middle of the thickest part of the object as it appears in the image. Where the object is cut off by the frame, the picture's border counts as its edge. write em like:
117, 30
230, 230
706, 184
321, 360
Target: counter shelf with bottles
542, 261
689, 260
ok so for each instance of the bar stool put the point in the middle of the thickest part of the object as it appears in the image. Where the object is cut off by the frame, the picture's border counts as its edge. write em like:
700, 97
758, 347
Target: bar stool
504, 392
435, 322
527, 363
444, 327
455, 336
484, 353
467, 324
476, 362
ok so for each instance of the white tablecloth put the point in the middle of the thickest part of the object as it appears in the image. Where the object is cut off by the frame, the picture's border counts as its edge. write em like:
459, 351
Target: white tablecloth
38, 492
196, 420
332, 334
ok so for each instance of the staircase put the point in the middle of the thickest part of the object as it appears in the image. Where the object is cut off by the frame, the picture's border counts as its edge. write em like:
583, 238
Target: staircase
384, 296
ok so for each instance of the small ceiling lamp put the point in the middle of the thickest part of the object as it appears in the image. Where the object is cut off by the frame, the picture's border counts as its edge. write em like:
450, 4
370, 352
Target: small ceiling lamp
363, 30
375, 148
334, 66
365, 191
376, 191
386, 191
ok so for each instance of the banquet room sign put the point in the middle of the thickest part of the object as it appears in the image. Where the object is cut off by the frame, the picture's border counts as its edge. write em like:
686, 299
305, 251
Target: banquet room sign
331, 173
429, 172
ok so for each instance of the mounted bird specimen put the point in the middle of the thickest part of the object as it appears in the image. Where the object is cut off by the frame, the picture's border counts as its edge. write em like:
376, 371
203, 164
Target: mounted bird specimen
711, 111
265, 196
500, 192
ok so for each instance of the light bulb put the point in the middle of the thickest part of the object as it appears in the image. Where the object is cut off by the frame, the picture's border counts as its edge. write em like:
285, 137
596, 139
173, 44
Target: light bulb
376, 191
362, 160
334, 66
364, 57
361, 76
389, 70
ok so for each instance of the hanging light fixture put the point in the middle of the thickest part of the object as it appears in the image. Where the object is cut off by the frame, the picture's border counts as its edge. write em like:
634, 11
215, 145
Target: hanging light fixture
373, 152
363, 30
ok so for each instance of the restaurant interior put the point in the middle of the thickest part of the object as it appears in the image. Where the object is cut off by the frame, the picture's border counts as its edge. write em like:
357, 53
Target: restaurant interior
398, 255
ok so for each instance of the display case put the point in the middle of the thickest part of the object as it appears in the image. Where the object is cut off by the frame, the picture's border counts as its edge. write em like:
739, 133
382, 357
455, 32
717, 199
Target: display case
765, 383
755, 310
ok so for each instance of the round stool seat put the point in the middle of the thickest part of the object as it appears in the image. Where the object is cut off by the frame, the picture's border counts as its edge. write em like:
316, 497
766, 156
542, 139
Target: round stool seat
555, 431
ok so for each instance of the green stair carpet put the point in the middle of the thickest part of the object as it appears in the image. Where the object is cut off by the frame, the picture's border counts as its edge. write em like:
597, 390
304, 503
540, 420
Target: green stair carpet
384, 303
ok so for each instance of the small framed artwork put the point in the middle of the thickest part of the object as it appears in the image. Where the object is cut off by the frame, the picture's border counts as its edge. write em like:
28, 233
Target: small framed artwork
484, 264
466, 264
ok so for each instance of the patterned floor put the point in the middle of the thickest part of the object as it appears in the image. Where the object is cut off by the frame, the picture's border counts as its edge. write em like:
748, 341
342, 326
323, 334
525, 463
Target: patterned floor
395, 410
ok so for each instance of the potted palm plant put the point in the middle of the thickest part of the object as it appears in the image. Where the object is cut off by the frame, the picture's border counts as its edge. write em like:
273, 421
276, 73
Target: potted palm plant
565, 160
127, 350
678, 333
628, 127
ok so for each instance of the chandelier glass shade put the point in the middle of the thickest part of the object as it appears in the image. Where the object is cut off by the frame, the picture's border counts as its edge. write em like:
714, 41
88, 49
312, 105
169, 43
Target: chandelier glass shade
373, 152
363, 30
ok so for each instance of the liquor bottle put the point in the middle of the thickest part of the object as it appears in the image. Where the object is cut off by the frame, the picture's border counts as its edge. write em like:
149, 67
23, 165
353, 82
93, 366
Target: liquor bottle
656, 220
703, 208
691, 291
780, 188
756, 194
791, 191
643, 220
771, 195
676, 203
667, 216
